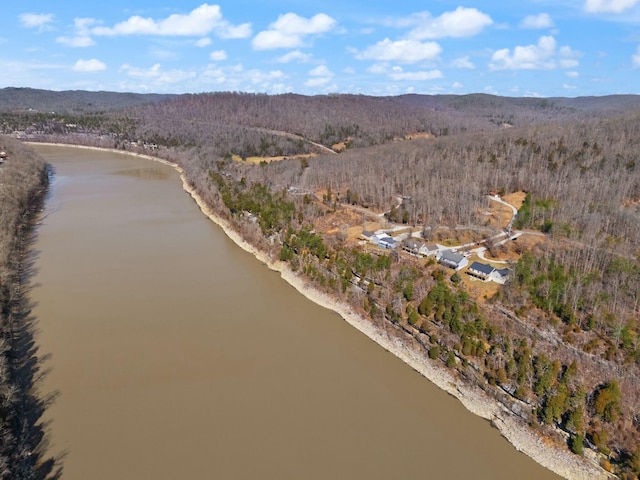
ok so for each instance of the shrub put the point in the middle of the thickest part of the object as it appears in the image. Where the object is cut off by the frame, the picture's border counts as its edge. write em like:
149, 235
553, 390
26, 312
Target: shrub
577, 444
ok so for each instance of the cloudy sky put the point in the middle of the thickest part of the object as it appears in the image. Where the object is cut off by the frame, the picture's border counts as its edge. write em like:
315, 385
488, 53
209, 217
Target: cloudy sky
522, 48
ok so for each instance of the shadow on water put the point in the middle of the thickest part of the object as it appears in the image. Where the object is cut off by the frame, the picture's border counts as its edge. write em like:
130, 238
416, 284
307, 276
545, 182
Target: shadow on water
23, 433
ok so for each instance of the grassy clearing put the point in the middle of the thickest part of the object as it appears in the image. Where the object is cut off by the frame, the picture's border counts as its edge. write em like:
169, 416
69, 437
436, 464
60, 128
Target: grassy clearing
258, 160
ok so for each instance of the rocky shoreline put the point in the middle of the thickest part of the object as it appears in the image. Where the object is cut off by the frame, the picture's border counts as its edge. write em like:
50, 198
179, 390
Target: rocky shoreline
556, 459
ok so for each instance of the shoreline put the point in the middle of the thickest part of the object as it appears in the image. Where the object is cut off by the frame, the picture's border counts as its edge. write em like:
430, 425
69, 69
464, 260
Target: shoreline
476, 401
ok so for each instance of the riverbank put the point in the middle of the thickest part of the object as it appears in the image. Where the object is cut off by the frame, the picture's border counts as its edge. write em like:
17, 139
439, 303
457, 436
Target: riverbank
24, 449
476, 401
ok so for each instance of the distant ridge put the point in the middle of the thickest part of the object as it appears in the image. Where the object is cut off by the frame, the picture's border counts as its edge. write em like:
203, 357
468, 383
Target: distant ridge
83, 101
72, 101
484, 101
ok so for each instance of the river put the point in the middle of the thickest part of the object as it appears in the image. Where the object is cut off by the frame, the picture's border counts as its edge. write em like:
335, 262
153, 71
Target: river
179, 355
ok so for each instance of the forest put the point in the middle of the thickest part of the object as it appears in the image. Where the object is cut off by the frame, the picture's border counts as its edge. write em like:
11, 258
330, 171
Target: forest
558, 344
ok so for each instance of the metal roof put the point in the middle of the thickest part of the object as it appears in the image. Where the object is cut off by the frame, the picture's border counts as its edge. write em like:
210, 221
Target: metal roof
482, 268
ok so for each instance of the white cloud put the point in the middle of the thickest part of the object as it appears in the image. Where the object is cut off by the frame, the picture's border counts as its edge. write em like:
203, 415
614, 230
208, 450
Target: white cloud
263, 81
203, 42
568, 62
238, 31
139, 72
159, 76
289, 30
216, 75
463, 62
404, 51
317, 81
572, 74
292, 24
83, 26
89, 66
542, 56
82, 37
456, 85
462, 22
199, 22
272, 39
397, 73
163, 53
566, 86
568, 57
236, 78
321, 75
218, 55
295, 56
378, 69
635, 58
36, 20
321, 71
76, 42
416, 76
609, 6
542, 20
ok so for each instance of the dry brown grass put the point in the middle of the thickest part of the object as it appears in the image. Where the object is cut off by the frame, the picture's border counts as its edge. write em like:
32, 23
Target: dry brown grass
258, 160
346, 221
412, 136
516, 199
340, 146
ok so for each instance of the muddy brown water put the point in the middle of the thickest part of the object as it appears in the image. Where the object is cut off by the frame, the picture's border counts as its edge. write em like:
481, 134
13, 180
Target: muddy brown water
178, 355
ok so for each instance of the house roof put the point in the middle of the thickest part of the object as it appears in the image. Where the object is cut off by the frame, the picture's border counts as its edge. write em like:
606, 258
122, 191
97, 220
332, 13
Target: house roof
482, 268
504, 272
452, 257
412, 243
432, 247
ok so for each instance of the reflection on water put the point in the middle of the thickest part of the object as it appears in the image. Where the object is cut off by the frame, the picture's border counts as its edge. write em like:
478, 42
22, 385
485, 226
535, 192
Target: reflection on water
148, 173
179, 356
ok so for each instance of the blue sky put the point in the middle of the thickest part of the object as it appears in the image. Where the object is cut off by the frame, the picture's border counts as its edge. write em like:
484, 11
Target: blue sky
525, 48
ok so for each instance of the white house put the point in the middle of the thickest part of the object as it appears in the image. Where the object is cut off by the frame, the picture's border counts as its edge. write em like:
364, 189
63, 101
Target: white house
501, 275
452, 259
388, 242
428, 249
412, 246
367, 235
482, 271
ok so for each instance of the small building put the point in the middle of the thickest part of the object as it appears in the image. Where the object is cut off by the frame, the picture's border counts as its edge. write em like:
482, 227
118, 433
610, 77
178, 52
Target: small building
452, 259
367, 235
380, 238
480, 270
429, 249
412, 246
388, 242
501, 275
